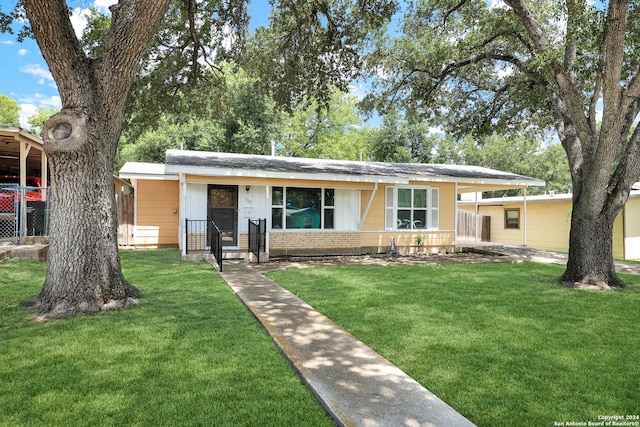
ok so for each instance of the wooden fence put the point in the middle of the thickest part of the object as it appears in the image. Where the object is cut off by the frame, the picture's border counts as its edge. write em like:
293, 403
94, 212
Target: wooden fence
467, 224
125, 219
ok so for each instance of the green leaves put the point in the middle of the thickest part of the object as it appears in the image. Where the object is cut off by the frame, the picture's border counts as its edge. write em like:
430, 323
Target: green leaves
470, 67
312, 46
229, 115
9, 111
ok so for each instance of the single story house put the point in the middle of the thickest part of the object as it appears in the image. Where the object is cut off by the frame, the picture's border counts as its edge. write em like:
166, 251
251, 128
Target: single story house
544, 222
311, 206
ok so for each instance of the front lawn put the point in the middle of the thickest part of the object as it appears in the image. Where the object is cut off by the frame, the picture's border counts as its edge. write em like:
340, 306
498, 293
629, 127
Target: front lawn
189, 354
504, 344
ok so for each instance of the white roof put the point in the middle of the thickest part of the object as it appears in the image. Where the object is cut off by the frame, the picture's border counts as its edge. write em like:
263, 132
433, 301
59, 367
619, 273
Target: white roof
139, 170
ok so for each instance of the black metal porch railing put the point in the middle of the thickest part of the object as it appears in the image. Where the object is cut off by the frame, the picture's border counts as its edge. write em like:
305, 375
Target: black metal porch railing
216, 243
257, 232
203, 236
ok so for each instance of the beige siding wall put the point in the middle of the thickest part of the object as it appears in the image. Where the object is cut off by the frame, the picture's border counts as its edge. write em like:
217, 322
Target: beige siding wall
448, 199
375, 216
549, 224
618, 237
157, 213
632, 228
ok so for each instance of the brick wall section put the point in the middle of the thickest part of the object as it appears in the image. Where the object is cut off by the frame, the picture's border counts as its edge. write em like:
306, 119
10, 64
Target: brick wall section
343, 243
314, 243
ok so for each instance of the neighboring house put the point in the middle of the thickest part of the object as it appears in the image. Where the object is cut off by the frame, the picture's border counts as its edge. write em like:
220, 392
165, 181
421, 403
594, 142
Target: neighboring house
311, 206
544, 222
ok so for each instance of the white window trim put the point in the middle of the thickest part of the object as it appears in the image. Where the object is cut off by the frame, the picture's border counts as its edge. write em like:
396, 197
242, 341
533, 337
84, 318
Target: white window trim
283, 207
391, 211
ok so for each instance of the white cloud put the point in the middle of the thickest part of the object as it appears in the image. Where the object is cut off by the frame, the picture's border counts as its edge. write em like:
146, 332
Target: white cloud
22, 52
79, 20
103, 5
38, 71
26, 111
29, 106
8, 42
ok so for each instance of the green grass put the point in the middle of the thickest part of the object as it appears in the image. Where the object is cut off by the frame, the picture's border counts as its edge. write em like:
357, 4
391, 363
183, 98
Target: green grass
504, 344
189, 354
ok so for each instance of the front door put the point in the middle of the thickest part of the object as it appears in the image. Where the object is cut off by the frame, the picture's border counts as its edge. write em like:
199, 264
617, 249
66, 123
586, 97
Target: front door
223, 210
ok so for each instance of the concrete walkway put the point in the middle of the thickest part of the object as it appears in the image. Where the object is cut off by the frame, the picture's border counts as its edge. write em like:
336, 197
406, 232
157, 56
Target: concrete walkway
356, 386
518, 253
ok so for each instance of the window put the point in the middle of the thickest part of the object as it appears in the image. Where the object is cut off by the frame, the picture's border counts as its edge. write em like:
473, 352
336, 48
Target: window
299, 208
512, 218
329, 207
411, 208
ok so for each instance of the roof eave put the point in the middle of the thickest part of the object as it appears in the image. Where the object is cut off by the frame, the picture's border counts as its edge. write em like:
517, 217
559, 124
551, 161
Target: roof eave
267, 174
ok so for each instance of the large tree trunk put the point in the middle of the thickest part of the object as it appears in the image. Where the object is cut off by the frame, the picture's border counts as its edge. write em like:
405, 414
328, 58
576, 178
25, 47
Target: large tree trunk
604, 158
84, 274
590, 264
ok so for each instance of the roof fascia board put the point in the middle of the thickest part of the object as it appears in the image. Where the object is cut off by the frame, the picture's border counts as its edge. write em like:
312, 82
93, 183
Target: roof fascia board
504, 184
209, 171
547, 198
134, 175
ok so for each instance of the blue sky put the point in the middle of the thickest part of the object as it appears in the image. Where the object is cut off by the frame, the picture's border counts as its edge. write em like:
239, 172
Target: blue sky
24, 75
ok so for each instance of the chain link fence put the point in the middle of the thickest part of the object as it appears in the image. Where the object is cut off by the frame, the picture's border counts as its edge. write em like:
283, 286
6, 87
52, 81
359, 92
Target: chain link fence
24, 211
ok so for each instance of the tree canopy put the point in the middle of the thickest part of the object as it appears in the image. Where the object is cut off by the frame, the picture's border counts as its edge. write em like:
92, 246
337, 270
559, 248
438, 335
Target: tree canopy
241, 119
523, 67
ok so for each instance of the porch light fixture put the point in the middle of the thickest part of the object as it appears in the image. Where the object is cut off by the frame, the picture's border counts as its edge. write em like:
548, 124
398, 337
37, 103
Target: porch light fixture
248, 187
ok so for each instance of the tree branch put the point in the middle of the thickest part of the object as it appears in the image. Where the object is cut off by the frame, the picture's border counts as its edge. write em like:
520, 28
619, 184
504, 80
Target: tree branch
60, 48
133, 25
531, 26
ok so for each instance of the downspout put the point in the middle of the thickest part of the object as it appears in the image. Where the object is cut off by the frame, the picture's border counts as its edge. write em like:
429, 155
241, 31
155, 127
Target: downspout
478, 224
134, 183
369, 203
624, 231
525, 216
267, 227
183, 212
455, 216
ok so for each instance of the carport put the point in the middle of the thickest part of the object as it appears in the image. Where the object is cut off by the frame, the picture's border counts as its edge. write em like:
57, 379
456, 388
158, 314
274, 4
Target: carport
22, 154
23, 208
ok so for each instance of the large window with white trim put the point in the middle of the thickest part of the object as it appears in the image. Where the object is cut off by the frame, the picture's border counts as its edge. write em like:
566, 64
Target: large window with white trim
412, 208
297, 208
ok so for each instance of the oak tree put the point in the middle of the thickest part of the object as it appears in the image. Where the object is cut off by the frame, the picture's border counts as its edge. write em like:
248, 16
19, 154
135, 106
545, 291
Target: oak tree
94, 80
84, 273
527, 67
